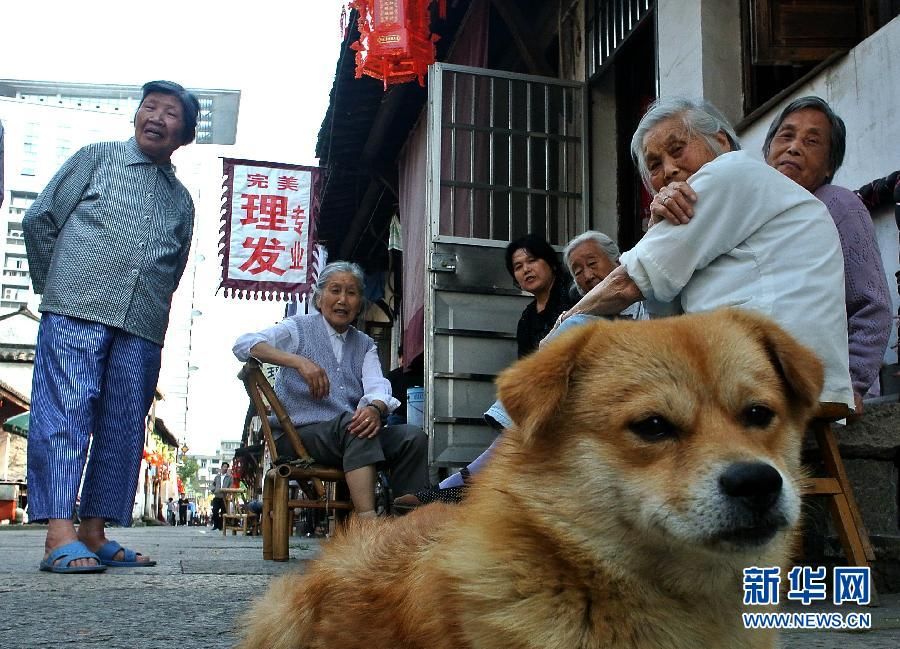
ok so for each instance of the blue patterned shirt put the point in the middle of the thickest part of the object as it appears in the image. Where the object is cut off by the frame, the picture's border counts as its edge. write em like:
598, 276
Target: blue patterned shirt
108, 239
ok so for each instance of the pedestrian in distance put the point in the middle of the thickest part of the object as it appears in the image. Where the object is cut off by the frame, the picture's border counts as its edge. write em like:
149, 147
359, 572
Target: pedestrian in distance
107, 243
221, 481
171, 509
182, 509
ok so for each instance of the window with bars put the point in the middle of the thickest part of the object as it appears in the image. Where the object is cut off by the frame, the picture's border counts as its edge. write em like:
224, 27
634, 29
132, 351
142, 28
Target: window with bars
609, 23
512, 159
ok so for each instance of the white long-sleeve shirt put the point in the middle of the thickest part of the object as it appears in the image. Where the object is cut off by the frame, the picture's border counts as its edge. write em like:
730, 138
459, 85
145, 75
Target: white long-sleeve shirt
284, 337
757, 241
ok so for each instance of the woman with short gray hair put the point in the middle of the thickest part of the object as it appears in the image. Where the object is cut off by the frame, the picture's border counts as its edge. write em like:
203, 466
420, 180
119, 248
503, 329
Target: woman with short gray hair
333, 389
806, 143
589, 258
351, 269
699, 119
609, 247
835, 132
756, 240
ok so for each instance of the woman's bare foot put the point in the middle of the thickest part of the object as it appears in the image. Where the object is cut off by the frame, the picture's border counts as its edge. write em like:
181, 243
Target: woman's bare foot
61, 531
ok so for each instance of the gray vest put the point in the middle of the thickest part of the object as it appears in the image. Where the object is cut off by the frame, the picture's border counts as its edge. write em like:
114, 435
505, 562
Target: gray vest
345, 379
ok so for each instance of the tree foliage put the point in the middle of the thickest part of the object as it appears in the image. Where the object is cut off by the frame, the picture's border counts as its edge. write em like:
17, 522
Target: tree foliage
187, 471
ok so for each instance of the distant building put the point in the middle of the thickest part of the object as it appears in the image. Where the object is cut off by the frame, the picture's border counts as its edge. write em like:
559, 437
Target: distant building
38, 139
18, 335
208, 465
18, 332
218, 108
227, 448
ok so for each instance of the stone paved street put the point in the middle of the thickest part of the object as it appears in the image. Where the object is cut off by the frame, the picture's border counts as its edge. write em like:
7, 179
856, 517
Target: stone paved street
192, 597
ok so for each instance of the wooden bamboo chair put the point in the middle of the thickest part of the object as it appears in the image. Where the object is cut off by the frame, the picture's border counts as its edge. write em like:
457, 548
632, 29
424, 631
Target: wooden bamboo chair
234, 515
835, 486
319, 484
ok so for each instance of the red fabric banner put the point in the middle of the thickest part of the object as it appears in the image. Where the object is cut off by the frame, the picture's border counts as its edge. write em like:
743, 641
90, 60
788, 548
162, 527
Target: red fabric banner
269, 216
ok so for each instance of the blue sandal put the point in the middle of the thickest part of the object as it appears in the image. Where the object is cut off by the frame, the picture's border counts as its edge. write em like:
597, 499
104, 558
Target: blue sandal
109, 549
61, 558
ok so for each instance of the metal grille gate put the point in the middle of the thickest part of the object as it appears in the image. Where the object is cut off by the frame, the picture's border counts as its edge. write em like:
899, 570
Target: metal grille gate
506, 156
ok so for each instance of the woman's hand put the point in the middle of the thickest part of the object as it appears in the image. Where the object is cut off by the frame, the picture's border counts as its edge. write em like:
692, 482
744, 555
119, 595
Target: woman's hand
316, 378
366, 422
673, 203
616, 292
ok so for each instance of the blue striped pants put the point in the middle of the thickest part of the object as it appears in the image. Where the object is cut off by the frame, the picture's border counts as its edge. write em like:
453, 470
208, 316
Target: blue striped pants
91, 382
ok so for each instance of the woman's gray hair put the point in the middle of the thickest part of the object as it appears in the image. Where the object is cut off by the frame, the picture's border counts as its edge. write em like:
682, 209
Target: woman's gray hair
607, 245
332, 269
838, 130
700, 118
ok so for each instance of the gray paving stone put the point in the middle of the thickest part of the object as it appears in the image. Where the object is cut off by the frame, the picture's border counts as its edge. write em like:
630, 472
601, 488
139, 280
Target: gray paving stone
194, 596
191, 598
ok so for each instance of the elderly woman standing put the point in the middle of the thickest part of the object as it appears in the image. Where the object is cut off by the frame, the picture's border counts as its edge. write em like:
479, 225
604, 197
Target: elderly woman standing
806, 143
333, 389
757, 240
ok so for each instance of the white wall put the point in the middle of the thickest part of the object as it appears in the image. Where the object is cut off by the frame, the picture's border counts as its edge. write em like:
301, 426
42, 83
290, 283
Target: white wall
699, 51
604, 211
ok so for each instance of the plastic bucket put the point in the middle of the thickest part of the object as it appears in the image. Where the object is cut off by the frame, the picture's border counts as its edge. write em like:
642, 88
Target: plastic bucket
415, 406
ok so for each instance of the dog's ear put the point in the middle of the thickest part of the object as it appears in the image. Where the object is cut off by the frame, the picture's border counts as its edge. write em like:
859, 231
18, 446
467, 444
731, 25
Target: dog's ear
533, 388
800, 369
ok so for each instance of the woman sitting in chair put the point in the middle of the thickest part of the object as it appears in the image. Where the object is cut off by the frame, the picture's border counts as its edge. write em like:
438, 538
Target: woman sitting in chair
333, 389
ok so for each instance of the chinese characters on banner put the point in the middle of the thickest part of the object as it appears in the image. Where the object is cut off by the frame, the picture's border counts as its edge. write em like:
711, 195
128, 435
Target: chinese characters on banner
268, 229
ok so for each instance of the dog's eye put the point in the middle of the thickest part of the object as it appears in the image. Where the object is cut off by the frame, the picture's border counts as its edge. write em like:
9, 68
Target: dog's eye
757, 416
654, 428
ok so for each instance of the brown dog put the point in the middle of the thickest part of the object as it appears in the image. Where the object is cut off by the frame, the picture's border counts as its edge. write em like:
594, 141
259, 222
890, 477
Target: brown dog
652, 463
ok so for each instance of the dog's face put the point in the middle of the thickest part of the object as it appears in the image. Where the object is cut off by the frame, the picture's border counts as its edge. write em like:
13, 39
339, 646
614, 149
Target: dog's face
680, 431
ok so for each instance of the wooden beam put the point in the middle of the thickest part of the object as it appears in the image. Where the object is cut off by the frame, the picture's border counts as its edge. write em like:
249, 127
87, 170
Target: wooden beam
357, 227
391, 102
523, 37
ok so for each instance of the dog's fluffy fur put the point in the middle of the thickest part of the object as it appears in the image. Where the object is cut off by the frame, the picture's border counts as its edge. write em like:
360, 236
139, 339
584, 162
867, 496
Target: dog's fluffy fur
603, 520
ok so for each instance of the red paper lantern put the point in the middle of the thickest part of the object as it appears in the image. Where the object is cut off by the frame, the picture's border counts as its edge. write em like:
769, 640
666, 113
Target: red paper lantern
395, 41
237, 470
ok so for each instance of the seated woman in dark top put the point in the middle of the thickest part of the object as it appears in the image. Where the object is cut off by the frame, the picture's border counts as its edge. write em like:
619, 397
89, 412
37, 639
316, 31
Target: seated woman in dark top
535, 268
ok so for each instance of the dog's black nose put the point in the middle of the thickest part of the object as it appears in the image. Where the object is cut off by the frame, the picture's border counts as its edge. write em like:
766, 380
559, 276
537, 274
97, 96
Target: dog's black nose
757, 483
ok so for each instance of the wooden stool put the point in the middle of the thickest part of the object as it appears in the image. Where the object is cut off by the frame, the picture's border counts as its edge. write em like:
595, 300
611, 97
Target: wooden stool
836, 487
252, 527
232, 517
315, 480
